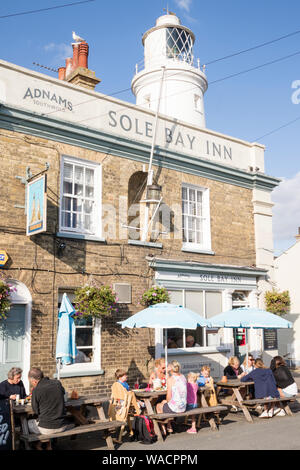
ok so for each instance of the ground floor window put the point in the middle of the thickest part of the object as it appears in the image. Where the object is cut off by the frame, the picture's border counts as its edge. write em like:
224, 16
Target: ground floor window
88, 333
206, 304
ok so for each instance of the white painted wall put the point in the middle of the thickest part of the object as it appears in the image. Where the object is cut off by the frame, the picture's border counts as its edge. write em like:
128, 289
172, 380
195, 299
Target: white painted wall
287, 277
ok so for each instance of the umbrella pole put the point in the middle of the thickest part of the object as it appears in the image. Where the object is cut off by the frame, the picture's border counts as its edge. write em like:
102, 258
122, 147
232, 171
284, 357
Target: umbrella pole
166, 351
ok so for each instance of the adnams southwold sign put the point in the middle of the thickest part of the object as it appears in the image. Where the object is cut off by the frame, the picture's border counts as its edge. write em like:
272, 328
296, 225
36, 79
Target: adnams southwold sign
54, 98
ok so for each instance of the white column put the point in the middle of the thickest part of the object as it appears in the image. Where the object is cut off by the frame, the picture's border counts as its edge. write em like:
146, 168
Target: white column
255, 335
228, 332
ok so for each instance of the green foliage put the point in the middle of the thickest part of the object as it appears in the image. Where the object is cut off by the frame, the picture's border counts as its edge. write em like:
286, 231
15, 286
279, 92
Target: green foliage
155, 295
5, 302
278, 302
95, 302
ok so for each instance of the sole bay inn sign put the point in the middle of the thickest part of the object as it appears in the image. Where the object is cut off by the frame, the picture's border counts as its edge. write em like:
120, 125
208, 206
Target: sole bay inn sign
61, 101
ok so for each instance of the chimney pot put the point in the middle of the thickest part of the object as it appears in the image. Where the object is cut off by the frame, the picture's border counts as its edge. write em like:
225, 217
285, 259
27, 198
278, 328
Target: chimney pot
62, 73
83, 55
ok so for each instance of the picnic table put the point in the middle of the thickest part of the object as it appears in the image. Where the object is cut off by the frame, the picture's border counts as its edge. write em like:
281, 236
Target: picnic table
150, 397
245, 404
76, 409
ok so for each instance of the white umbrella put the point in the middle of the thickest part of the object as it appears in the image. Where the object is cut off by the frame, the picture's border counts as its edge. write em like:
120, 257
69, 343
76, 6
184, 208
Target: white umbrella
165, 315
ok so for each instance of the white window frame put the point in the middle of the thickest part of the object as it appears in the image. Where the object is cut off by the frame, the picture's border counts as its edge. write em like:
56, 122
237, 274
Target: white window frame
97, 209
206, 245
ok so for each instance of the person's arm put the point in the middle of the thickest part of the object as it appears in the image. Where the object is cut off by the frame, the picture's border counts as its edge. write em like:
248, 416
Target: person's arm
34, 402
247, 378
169, 388
3, 393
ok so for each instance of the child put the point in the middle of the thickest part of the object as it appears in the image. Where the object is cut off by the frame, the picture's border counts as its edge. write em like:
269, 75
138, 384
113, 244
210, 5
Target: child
192, 398
205, 380
121, 376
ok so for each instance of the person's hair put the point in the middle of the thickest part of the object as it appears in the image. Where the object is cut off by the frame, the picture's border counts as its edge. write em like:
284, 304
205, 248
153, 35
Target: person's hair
232, 359
159, 362
175, 367
245, 360
259, 363
172, 345
119, 373
205, 368
279, 361
35, 373
193, 376
14, 371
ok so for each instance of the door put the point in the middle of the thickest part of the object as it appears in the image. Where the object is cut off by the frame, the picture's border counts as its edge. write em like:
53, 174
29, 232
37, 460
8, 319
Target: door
12, 336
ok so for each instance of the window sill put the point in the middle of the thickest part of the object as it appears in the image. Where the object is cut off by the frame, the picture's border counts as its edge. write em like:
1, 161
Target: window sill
194, 249
79, 236
79, 373
141, 243
190, 351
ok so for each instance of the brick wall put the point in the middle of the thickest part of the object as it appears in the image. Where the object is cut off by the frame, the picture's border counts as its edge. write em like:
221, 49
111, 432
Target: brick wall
232, 231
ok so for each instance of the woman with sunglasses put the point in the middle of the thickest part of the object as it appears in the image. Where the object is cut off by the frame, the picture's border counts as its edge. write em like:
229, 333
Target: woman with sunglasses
248, 366
159, 372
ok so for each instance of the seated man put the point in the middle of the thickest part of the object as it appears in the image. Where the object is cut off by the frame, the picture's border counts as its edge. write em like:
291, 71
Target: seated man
48, 404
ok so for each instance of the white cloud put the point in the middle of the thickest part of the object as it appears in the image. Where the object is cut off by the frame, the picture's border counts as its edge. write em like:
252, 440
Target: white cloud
286, 211
184, 4
59, 52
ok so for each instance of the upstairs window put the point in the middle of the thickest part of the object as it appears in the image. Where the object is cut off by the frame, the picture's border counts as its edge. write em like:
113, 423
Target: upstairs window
196, 217
80, 209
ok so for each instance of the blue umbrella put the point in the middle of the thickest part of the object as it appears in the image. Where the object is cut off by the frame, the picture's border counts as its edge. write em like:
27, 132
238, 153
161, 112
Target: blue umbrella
65, 344
249, 318
165, 315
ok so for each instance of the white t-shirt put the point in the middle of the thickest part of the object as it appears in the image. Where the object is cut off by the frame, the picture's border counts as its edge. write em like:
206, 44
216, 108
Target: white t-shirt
291, 389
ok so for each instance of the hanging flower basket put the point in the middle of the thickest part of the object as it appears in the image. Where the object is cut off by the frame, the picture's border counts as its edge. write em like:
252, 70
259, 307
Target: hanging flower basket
5, 302
278, 302
95, 302
155, 295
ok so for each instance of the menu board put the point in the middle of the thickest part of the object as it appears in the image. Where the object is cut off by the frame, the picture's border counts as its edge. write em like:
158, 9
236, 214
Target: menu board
5, 426
270, 339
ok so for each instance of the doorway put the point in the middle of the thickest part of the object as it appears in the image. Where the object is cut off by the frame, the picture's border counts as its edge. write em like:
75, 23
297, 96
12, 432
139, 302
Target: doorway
12, 338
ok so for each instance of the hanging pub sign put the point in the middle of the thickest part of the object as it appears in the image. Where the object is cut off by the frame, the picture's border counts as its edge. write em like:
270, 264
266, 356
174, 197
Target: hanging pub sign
36, 206
270, 339
5, 426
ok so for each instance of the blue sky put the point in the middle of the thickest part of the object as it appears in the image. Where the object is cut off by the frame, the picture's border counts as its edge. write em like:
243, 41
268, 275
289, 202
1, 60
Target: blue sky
248, 106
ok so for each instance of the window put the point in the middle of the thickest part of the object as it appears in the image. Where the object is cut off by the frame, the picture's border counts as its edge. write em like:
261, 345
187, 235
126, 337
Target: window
196, 217
80, 208
87, 337
179, 45
206, 304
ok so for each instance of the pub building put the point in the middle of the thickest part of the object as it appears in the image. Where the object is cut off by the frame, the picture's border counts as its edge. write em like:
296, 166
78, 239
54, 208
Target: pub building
137, 195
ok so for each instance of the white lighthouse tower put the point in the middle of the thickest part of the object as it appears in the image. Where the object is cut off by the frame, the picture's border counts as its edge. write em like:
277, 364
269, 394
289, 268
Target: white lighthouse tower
170, 80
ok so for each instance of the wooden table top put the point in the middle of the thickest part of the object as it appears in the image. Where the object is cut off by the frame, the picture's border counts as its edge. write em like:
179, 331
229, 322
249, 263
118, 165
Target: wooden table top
142, 393
90, 400
234, 384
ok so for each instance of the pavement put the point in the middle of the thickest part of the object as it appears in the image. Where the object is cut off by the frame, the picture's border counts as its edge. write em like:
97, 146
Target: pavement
235, 433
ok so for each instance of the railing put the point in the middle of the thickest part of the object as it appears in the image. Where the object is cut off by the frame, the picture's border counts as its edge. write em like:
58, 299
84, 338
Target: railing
177, 59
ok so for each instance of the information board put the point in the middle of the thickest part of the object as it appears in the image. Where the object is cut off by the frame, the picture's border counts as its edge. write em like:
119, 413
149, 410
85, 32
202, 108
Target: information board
5, 426
270, 339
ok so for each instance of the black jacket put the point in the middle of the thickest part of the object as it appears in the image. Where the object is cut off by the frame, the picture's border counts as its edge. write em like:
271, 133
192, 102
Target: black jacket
283, 377
48, 403
7, 389
230, 374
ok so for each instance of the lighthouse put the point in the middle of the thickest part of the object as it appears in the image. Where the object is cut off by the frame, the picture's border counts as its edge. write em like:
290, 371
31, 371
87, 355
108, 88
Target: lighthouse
171, 80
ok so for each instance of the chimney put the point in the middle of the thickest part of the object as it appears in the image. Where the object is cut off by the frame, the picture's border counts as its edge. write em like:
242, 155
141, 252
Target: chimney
298, 236
76, 70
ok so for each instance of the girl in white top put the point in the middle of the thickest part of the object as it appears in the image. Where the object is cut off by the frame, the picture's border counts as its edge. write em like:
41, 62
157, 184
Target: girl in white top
250, 366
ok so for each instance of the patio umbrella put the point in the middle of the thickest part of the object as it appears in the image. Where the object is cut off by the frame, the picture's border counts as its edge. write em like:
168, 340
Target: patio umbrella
249, 318
65, 344
165, 315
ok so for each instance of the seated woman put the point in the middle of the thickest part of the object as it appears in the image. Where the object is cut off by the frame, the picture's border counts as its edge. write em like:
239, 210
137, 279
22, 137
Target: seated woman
264, 387
285, 382
13, 386
233, 370
176, 393
159, 372
248, 366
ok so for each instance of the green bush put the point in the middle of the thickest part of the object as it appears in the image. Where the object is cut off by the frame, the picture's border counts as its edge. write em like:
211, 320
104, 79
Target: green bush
5, 301
278, 302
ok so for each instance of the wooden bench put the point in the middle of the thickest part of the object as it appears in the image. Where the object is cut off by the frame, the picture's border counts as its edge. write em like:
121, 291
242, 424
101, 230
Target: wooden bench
97, 426
265, 401
164, 418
